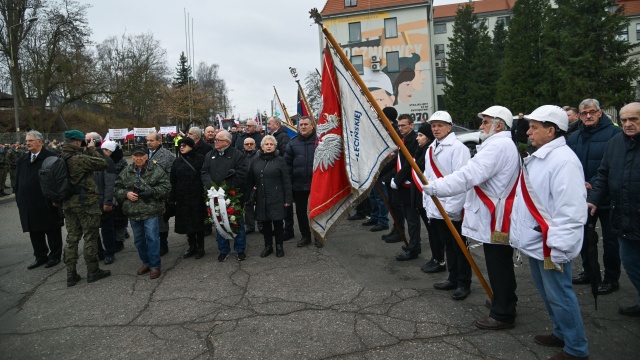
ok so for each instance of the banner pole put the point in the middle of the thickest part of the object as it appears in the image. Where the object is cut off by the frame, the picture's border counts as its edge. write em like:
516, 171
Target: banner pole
387, 124
287, 118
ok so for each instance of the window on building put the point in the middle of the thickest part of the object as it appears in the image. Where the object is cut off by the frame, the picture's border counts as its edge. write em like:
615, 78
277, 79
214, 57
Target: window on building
391, 28
637, 32
624, 35
358, 64
393, 61
439, 51
440, 28
441, 105
354, 32
481, 22
504, 20
441, 75
350, 3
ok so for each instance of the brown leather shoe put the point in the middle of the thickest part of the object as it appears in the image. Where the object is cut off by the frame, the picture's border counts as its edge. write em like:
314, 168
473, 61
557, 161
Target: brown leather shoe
155, 273
564, 356
143, 270
548, 340
490, 323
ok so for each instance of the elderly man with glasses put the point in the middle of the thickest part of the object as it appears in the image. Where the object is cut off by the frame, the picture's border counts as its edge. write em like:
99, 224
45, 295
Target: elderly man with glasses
589, 143
252, 130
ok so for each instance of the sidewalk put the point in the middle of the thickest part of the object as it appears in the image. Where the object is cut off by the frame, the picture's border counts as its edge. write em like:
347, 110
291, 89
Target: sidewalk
348, 300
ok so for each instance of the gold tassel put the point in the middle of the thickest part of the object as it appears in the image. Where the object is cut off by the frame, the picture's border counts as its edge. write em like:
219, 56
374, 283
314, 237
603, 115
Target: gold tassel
500, 237
549, 265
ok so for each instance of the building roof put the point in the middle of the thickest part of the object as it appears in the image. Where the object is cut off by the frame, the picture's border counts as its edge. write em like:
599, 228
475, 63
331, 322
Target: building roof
631, 7
480, 6
334, 7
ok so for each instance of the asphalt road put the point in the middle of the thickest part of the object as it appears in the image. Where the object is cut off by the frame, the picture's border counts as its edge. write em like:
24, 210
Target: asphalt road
348, 300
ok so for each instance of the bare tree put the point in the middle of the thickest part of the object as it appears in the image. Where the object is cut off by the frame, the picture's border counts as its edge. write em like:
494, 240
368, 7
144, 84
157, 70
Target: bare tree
209, 80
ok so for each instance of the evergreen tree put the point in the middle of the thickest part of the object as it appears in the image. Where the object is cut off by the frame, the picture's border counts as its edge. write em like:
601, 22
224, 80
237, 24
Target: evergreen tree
595, 66
472, 70
521, 83
499, 42
183, 72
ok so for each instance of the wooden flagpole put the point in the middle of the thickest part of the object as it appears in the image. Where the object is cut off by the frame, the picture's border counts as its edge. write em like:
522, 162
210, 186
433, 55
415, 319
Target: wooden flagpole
287, 118
306, 103
387, 124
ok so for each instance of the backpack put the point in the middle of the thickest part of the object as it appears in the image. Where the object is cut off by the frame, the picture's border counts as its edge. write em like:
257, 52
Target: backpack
54, 178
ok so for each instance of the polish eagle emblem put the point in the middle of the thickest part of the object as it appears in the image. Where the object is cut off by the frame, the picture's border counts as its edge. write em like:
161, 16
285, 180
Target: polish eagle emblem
330, 145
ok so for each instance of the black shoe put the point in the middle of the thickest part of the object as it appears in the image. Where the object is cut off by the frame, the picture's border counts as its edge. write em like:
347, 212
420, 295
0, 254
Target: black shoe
461, 293
369, 222
607, 288
221, 257
406, 256
119, 246
390, 234
200, 254
433, 267
379, 227
36, 264
164, 251
279, 251
189, 253
304, 242
447, 285
108, 260
356, 216
72, 278
581, 279
97, 275
266, 251
52, 263
404, 248
630, 311
288, 236
241, 256
429, 264
395, 238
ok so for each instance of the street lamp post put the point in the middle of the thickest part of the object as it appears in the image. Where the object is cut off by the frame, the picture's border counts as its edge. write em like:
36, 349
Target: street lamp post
14, 76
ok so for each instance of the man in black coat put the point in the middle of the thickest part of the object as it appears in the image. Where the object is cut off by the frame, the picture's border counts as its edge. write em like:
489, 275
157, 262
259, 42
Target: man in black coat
618, 183
251, 151
38, 216
252, 131
299, 156
201, 147
227, 164
401, 181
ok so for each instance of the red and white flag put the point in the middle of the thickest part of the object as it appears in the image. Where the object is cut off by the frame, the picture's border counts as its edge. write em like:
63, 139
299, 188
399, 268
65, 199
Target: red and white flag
353, 145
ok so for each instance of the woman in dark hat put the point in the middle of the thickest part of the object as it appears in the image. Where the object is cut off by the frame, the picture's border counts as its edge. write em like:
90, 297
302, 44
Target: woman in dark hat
187, 197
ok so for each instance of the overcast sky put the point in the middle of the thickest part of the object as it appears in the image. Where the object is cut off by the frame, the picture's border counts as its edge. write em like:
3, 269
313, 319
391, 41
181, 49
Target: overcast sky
253, 41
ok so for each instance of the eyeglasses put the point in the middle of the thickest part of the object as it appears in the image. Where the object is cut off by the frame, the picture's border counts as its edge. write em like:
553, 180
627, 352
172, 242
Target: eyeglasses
590, 112
250, 144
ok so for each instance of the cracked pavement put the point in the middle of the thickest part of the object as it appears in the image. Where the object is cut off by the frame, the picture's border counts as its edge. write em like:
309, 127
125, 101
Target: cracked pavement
348, 300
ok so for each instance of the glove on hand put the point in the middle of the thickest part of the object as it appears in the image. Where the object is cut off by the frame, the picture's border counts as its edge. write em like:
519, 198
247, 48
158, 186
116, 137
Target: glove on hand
393, 184
428, 189
146, 195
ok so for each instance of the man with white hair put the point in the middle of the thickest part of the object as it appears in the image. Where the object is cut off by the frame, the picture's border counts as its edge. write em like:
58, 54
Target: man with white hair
201, 147
251, 130
489, 180
549, 212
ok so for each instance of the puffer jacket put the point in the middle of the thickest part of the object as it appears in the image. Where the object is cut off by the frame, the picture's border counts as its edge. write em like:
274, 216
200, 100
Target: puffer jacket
269, 175
152, 177
619, 179
299, 157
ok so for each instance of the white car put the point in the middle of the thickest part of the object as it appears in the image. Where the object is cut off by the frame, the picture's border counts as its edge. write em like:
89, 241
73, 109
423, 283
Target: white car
471, 138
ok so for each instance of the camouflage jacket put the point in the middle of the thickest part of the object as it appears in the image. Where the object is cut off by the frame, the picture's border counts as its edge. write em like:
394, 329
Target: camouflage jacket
4, 159
80, 167
13, 157
153, 178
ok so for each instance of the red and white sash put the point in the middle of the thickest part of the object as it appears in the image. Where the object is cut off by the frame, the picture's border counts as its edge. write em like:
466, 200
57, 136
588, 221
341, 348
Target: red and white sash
539, 213
500, 209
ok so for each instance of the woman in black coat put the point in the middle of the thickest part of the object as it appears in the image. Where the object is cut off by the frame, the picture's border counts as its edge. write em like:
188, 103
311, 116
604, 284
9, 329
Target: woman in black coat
269, 175
187, 196
120, 220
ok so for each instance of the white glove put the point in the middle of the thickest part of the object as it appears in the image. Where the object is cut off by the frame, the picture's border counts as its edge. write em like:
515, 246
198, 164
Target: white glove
393, 184
429, 189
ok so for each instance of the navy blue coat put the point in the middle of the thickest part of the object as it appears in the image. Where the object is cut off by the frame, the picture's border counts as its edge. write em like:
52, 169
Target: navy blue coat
618, 178
589, 144
299, 157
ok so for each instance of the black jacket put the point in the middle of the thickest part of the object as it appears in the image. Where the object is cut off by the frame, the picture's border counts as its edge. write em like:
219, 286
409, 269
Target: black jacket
269, 174
187, 193
36, 212
403, 194
299, 157
202, 147
282, 138
106, 180
618, 178
416, 194
229, 166
255, 136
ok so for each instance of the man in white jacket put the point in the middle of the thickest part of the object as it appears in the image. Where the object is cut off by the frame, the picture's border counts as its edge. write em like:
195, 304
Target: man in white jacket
547, 221
489, 180
444, 156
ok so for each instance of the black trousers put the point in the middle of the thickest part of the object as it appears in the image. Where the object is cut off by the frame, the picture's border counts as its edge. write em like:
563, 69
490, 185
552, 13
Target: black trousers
610, 247
40, 249
502, 278
412, 217
288, 221
301, 199
271, 229
457, 264
437, 249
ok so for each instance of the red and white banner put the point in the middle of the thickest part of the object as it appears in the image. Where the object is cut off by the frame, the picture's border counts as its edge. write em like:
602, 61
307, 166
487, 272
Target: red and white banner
143, 131
173, 130
117, 134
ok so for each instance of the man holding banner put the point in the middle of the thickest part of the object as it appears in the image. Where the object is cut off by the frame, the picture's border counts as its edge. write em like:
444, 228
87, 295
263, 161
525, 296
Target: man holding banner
490, 179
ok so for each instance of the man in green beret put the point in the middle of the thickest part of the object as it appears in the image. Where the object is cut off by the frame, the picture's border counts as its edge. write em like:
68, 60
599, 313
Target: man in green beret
81, 210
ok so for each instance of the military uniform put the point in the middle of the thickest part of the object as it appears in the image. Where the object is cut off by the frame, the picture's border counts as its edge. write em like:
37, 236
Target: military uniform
81, 210
13, 155
4, 168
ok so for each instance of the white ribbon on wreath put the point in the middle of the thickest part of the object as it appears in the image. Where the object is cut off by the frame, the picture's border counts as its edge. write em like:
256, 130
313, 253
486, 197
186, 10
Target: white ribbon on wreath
214, 194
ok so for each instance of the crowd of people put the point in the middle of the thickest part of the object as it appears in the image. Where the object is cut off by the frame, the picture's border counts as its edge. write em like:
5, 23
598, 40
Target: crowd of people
578, 168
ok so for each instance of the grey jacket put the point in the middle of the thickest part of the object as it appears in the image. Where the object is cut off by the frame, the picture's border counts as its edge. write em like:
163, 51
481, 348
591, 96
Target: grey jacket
164, 158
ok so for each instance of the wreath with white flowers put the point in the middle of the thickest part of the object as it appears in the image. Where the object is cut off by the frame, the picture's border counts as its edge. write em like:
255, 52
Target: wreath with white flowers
225, 209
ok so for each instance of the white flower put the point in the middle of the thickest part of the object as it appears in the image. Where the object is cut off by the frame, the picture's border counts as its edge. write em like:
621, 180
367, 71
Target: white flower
232, 218
228, 201
216, 208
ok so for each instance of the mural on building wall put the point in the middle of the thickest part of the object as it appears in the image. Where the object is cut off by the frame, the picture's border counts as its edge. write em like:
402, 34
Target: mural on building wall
395, 69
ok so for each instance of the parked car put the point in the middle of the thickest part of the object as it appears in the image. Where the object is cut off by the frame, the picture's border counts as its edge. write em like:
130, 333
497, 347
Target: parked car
471, 138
